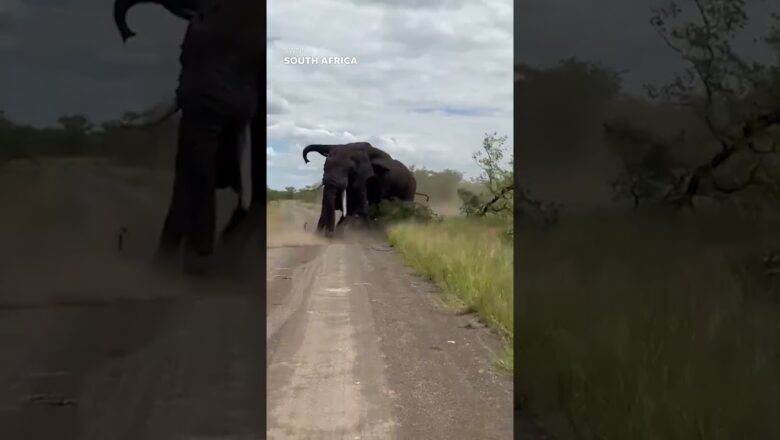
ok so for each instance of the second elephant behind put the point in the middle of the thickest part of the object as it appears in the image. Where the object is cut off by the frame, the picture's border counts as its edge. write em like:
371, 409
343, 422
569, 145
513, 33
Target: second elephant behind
392, 181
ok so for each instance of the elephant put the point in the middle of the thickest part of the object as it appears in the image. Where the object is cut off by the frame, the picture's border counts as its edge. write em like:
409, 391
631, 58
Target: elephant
351, 187
219, 96
392, 180
347, 169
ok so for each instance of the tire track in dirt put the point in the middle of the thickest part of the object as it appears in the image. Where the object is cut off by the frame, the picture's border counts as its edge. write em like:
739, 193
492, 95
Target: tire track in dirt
359, 349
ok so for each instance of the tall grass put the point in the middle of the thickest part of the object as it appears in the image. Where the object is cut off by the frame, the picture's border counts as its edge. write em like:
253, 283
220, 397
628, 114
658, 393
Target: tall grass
635, 329
468, 259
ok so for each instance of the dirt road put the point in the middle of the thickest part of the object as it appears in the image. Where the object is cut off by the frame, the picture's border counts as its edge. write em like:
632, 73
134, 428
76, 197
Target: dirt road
95, 346
359, 349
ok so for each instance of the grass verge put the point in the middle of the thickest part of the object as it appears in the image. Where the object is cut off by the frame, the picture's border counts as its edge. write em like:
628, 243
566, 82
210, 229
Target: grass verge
630, 328
470, 262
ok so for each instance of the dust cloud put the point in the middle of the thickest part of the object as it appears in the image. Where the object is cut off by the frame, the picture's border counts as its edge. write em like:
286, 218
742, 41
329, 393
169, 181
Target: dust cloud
293, 224
61, 222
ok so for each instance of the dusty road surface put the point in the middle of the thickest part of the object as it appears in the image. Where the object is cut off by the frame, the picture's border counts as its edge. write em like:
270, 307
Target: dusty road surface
358, 347
93, 344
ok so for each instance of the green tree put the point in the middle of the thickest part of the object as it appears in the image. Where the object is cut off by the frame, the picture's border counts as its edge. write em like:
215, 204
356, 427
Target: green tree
738, 101
497, 178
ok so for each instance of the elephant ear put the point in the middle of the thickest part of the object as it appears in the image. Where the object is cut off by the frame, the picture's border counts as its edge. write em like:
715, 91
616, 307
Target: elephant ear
364, 169
381, 165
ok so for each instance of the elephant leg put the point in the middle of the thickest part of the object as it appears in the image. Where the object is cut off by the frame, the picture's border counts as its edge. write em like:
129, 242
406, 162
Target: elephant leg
172, 232
341, 220
239, 214
361, 205
198, 143
241, 231
231, 241
246, 221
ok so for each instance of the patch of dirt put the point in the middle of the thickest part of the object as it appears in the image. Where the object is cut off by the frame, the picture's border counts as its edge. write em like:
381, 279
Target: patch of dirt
135, 354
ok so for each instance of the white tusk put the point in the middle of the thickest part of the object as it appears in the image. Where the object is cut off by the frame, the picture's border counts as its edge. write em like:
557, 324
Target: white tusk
244, 152
170, 109
344, 203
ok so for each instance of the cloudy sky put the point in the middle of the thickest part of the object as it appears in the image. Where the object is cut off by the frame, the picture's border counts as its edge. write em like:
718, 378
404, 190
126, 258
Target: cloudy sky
432, 78
66, 57
614, 32
432, 75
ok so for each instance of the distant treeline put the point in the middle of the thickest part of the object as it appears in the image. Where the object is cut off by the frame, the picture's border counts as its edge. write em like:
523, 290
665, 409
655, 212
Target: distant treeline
291, 193
76, 135
709, 132
441, 186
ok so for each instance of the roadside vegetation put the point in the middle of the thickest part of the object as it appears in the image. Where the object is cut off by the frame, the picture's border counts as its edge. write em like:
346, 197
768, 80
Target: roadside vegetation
469, 256
654, 316
274, 215
308, 195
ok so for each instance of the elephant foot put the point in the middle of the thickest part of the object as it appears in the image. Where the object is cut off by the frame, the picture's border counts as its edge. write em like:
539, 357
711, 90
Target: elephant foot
352, 222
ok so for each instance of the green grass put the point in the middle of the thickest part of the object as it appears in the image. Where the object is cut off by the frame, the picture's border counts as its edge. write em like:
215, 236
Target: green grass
471, 263
634, 329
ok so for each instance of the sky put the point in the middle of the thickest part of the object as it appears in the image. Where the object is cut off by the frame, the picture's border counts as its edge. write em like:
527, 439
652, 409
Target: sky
432, 77
616, 33
66, 57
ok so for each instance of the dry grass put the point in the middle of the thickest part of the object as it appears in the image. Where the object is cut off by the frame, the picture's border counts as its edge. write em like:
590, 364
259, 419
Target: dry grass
275, 214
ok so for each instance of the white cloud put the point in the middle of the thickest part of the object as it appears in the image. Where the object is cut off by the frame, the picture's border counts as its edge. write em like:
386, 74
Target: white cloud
432, 78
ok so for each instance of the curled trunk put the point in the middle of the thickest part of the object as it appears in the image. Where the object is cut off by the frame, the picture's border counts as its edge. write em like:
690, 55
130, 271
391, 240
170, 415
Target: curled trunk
121, 7
317, 148
184, 9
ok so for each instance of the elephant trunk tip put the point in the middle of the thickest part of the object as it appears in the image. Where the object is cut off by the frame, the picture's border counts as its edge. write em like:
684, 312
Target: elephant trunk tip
121, 7
127, 35
322, 149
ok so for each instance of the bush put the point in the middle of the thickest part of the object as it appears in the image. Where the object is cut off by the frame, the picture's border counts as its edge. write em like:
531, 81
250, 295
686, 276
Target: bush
388, 211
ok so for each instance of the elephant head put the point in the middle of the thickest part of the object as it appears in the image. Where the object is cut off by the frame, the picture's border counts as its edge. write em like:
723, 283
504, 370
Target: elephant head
184, 9
347, 171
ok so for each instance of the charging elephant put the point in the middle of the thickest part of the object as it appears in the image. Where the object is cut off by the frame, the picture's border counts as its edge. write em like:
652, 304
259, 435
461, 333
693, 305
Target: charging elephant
347, 169
219, 96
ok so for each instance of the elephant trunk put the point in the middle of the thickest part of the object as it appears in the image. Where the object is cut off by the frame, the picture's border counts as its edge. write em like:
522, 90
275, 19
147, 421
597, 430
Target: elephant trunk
169, 110
317, 148
121, 7
327, 220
